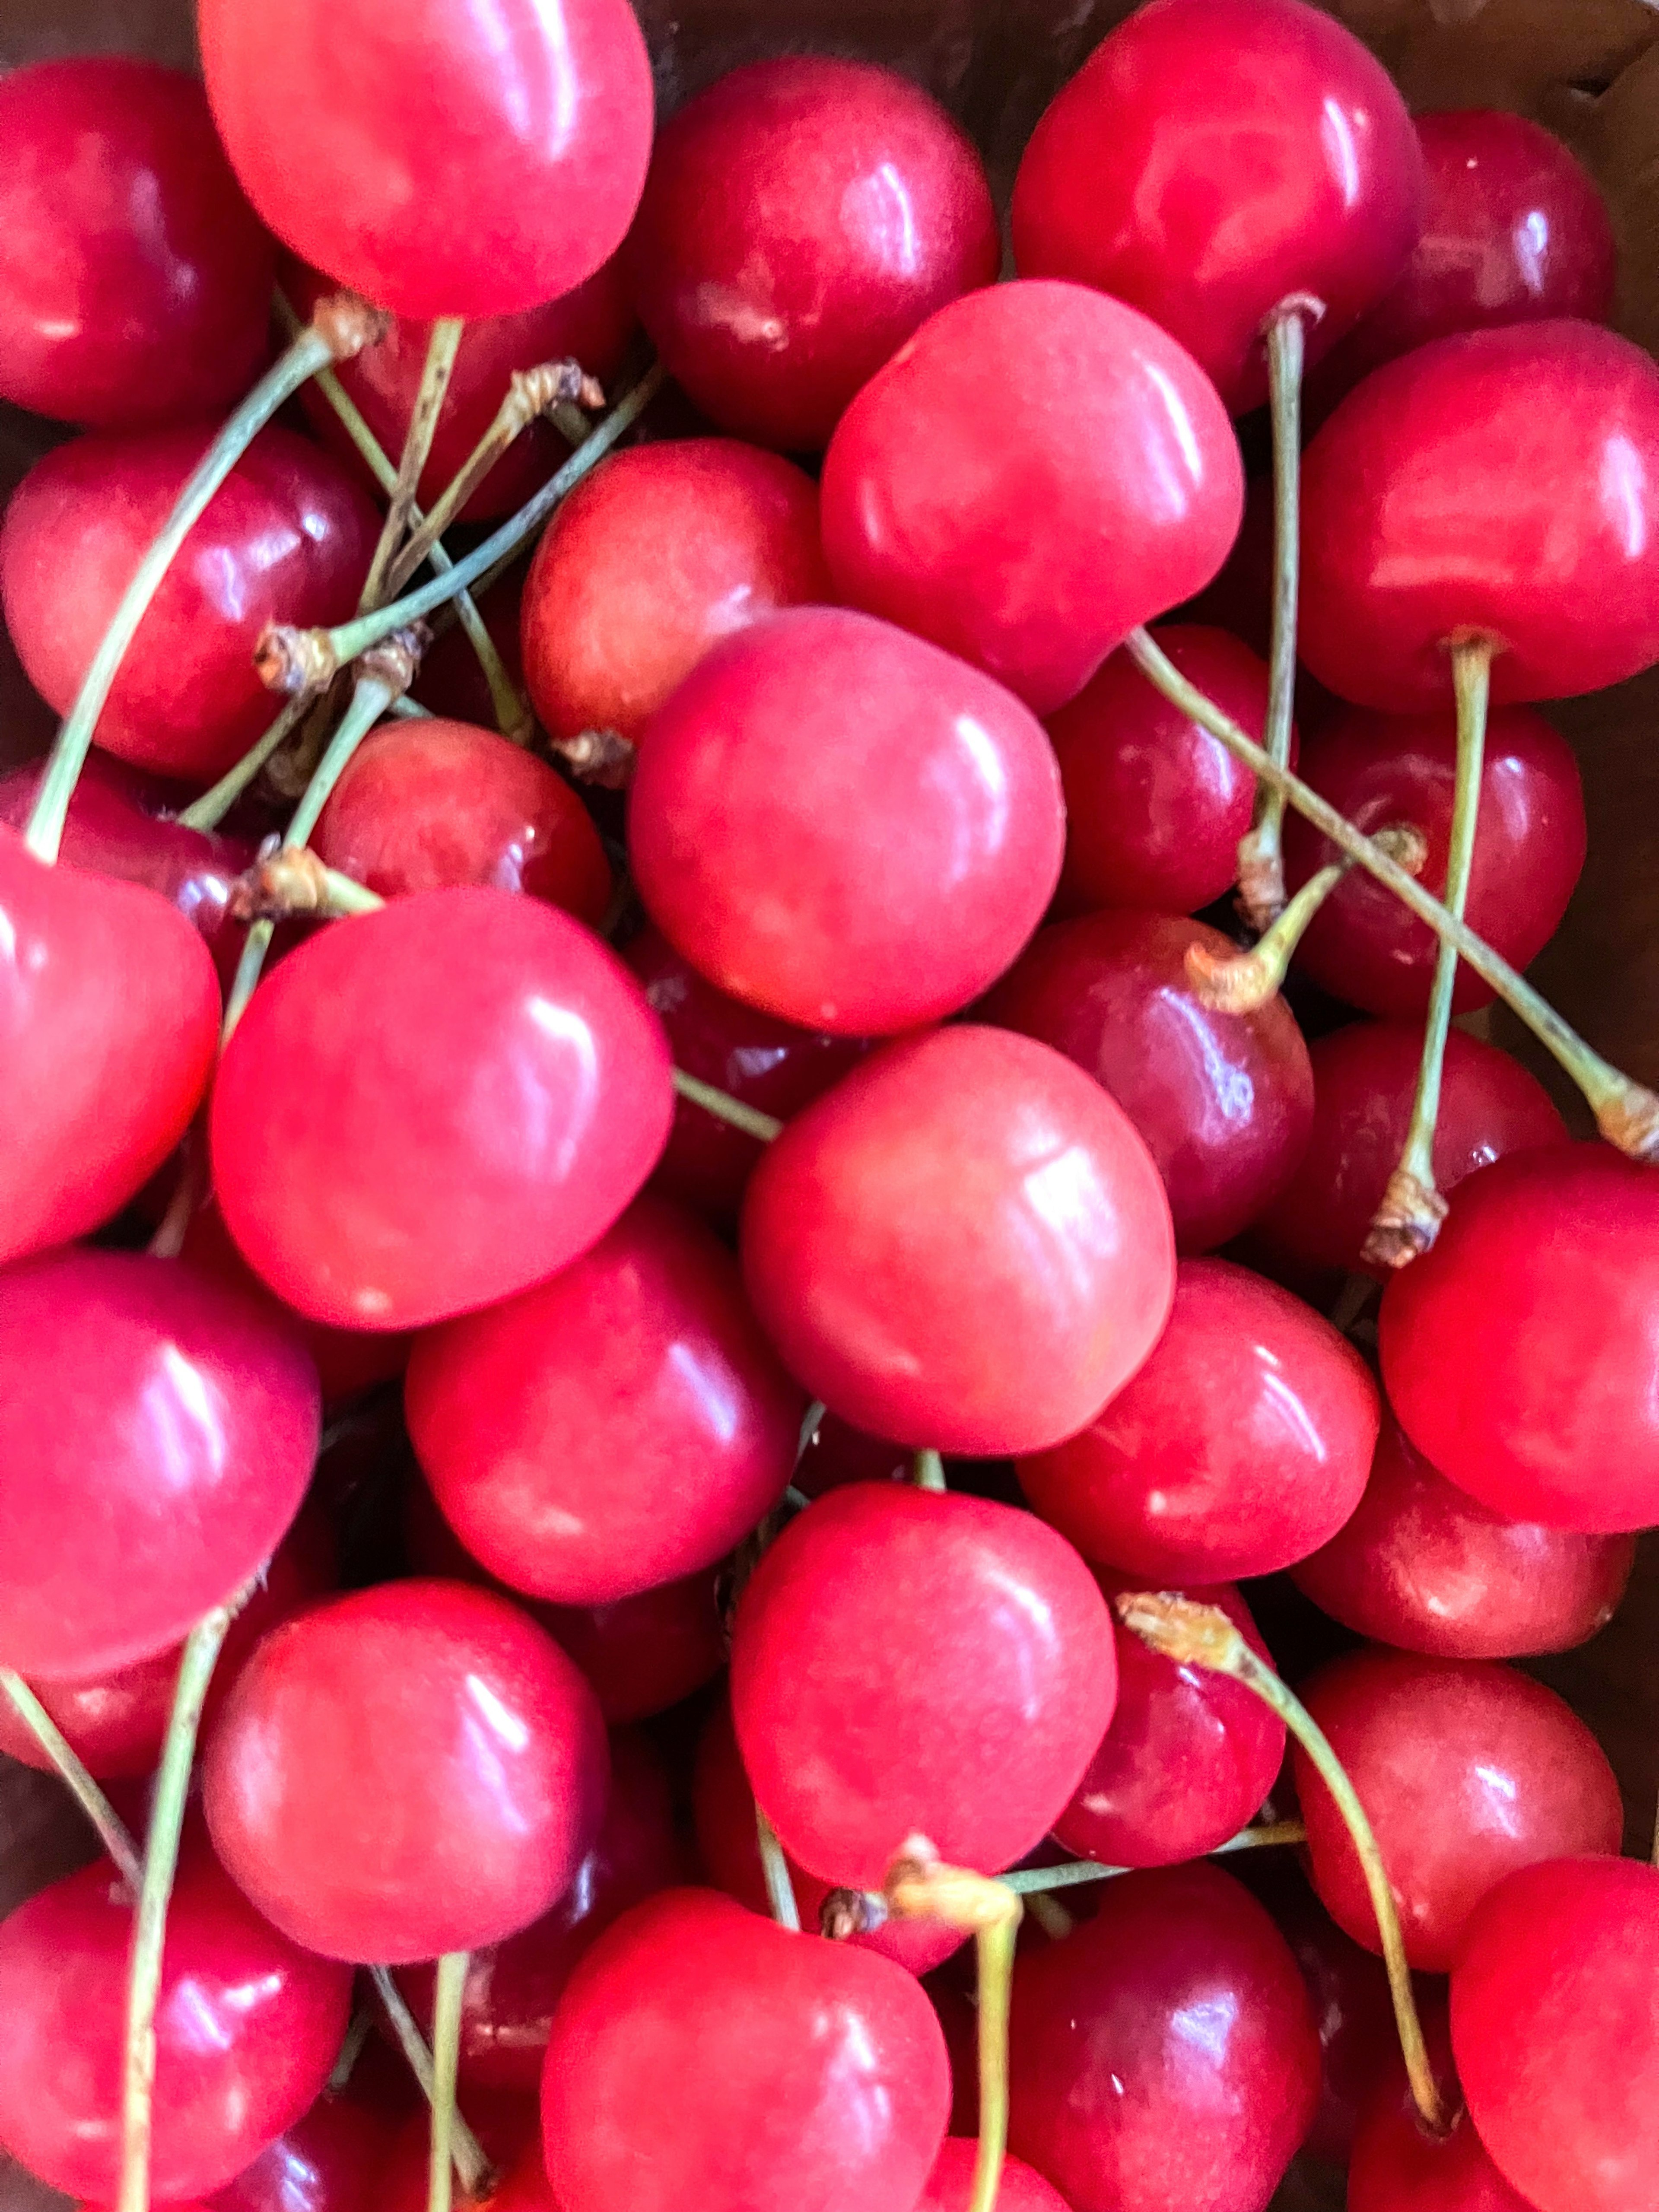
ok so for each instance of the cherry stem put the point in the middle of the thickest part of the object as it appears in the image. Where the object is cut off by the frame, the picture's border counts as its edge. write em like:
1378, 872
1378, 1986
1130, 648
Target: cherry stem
358, 2033
780, 1888
290, 880
1240, 982
188, 1193
927, 1471
1035, 1881
67, 1764
1626, 1114
208, 811
602, 756
447, 1990
466, 2152
1408, 1220
1201, 1635
442, 347
724, 1107
810, 1422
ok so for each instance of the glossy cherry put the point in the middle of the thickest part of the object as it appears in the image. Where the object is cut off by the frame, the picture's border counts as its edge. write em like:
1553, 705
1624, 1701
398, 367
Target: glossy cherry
459, 159
702, 2056
135, 279
1486, 486
371, 1189
963, 1245
1109, 491
1242, 1444
801, 218
1118, 2097
331, 2159
406, 1770
287, 538
1398, 2166
1559, 1424
1224, 1102
780, 781
950, 2184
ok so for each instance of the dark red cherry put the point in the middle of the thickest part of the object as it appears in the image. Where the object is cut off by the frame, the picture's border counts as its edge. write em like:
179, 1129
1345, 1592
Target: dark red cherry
801, 218
1109, 493
1398, 2166
135, 279
450, 681
1487, 486
838, 1454
702, 2056
1164, 2053
331, 2159
1224, 1102
511, 2138
950, 2184
1559, 1424
963, 1245
1242, 1444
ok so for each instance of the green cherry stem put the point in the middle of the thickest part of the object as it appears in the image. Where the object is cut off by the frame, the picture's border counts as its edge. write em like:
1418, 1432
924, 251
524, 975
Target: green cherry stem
465, 2150
66, 1761
927, 1471
208, 811
1036, 1882
360, 2028
449, 1987
442, 347
724, 1107
780, 1888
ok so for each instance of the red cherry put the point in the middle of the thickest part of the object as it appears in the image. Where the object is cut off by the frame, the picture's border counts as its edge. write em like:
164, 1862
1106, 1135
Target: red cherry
406, 2176
371, 1188
135, 280
1397, 2166
371, 144
950, 2184
330, 2160
1164, 2053
405, 1772
843, 826
659, 554
963, 1245
247, 2028
1421, 1564
801, 217
1467, 1770
1109, 492
1379, 769
1242, 1446
702, 2056
425, 804
1559, 1424
1491, 485
640, 1357
156, 1436
838, 1454
287, 538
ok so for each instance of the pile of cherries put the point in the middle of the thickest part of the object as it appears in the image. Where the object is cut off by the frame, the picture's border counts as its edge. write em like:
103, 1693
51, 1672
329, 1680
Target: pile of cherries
626, 1422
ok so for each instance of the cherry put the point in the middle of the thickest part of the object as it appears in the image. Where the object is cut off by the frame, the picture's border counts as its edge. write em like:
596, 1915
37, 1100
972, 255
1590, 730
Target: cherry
156, 1434
963, 1245
247, 2028
1109, 491
1421, 1564
373, 147
1363, 946
843, 826
405, 1772
406, 2176
1242, 1446
331, 2159
658, 554
450, 682
1164, 2053
1559, 1424
837, 1454
287, 538
135, 279
950, 2186
1397, 2166
640, 1360
702, 2056
1553, 2030
1467, 1770
1486, 486
801, 218
371, 1189
423, 804
859, 1733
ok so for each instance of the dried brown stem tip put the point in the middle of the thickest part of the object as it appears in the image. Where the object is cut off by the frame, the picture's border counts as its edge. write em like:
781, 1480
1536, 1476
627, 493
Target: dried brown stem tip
291, 661
348, 324
286, 882
1182, 1629
920, 1887
396, 660
1630, 1121
1407, 1222
848, 1912
535, 391
605, 757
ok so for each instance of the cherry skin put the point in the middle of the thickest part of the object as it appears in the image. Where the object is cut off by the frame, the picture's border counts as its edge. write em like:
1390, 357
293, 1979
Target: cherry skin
287, 538
1242, 1444
1109, 491
1380, 770
109, 1022
1485, 486
367, 1186
406, 1770
1559, 1424
247, 2028
838, 1454
1224, 1102
801, 218
135, 279
1114, 2098
1397, 2166
406, 2175
702, 2056
950, 2184
370, 145
1467, 1770
616, 1427
843, 826
963, 1245
330, 2160
156, 1436
1422, 1565
659, 554
424, 805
